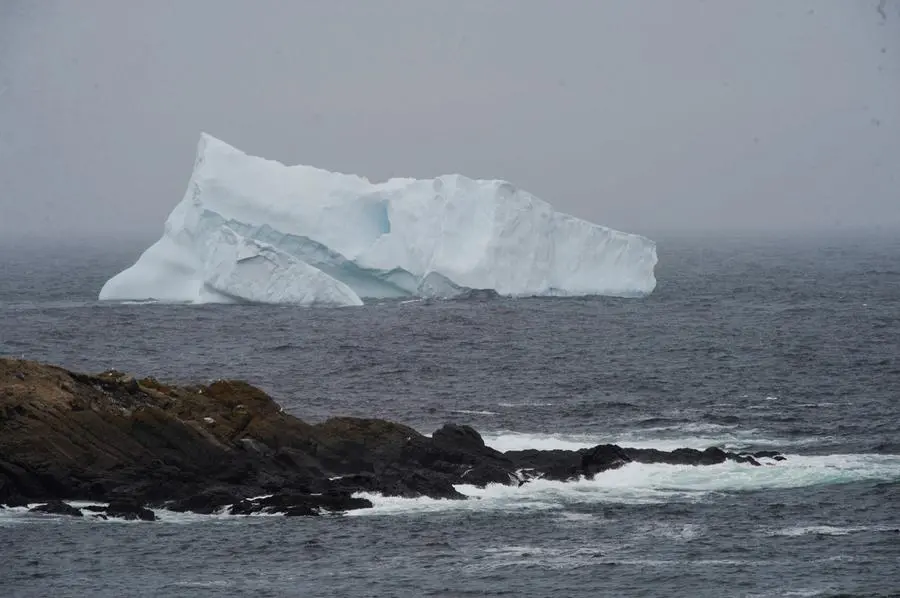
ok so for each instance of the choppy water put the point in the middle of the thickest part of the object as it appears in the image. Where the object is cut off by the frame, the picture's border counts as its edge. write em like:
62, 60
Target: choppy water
747, 343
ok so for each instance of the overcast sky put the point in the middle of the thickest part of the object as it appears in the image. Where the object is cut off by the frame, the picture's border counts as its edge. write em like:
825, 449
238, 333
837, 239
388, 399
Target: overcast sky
642, 115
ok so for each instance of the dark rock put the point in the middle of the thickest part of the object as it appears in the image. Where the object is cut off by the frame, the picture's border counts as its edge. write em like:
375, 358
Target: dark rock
557, 465
746, 459
562, 465
207, 502
244, 507
294, 504
456, 437
412, 484
57, 507
602, 458
775, 455
712, 456
17, 483
9, 493
766, 454
16, 500
684, 456
481, 475
130, 511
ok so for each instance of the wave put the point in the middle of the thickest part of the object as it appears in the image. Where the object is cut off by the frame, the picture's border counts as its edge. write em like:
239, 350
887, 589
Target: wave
698, 435
639, 483
604, 554
829, 530
10, 516
635, 483
515, 441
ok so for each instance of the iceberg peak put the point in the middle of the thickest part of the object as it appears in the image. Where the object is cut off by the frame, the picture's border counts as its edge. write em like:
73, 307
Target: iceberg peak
254, 230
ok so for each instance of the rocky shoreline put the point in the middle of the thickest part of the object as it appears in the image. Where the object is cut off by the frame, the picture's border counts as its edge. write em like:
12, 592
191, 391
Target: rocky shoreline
139, 444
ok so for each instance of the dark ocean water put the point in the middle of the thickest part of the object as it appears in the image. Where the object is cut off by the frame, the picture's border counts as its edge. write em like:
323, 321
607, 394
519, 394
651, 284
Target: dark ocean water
747, 343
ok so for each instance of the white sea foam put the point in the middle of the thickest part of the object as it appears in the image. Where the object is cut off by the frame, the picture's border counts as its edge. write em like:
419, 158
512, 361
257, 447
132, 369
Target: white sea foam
473, 412
635, 483
10, 516
639, 483
677, 532
19, 515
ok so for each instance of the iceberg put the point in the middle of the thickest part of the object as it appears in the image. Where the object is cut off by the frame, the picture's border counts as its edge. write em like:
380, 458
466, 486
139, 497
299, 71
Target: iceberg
254, 230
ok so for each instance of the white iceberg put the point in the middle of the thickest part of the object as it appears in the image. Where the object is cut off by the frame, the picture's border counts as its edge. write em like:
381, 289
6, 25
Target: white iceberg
255, 230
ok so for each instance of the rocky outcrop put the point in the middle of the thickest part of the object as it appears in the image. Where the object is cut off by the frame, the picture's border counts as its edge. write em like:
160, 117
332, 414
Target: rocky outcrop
57, 507
139, 443
130, 510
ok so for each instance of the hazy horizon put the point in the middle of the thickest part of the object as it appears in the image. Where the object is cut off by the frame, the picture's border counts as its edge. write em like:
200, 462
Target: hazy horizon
663, 115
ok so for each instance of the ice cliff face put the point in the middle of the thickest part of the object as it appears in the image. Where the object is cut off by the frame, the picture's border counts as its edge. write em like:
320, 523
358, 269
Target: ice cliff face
254, 230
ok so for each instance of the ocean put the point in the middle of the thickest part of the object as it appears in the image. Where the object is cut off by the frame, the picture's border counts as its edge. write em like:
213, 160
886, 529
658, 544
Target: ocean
748, 343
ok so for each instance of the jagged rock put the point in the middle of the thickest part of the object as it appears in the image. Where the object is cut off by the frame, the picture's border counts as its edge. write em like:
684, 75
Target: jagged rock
57, 507
296, 504
682, 456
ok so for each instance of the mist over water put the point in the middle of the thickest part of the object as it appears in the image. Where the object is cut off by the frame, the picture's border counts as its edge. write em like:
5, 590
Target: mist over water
756, 143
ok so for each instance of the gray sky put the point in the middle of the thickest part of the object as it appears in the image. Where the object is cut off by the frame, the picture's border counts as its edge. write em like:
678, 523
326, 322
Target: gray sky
642, 115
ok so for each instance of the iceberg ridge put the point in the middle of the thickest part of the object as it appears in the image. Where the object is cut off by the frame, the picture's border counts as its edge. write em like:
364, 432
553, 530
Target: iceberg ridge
254, 230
